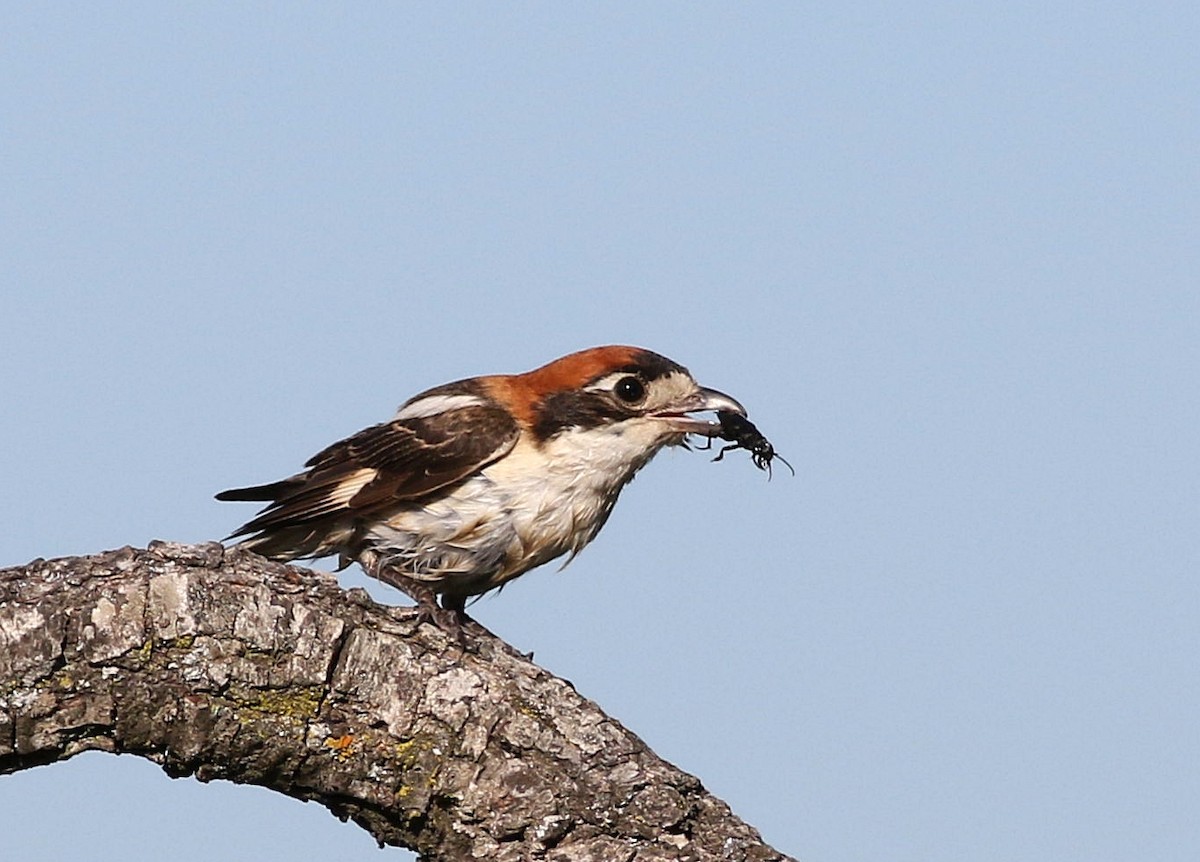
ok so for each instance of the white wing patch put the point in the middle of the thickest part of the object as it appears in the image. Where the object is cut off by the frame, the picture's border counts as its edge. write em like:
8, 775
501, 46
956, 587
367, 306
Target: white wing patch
432, 405
341, 493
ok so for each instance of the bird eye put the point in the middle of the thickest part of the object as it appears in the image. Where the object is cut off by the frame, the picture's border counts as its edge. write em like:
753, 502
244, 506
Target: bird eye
630, 390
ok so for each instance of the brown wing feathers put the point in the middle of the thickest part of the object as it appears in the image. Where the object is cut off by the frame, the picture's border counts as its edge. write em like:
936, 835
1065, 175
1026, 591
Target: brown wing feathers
394, 461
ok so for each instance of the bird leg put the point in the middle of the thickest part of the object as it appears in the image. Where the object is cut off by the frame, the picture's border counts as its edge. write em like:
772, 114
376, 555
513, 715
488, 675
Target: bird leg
450, 616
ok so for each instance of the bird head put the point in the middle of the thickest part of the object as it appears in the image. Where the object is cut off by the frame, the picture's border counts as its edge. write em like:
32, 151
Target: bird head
624, 391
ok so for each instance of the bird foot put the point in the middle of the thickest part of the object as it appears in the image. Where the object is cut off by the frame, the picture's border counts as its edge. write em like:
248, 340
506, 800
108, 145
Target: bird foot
452, 621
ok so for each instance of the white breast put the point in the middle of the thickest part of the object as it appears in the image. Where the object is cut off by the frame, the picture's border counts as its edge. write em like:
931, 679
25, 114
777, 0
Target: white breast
532, 506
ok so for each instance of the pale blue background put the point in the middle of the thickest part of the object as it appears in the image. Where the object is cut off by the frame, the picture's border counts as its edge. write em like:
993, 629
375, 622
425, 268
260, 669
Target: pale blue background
946, 253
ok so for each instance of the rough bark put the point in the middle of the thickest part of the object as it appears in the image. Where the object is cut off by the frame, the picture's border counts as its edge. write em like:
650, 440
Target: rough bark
220, 664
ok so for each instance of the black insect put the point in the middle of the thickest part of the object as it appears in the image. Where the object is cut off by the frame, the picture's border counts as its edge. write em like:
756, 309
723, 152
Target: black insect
743, 434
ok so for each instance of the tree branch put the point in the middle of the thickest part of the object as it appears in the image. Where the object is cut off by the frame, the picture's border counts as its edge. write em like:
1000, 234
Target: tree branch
220, 664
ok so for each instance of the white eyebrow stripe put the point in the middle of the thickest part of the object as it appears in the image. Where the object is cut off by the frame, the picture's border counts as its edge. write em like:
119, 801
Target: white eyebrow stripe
607, 382
432, 405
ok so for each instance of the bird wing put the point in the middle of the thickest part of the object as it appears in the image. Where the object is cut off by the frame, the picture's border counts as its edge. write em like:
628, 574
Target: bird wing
404, 459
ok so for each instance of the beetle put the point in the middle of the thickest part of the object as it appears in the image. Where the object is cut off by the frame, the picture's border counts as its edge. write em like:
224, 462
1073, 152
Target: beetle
744, 434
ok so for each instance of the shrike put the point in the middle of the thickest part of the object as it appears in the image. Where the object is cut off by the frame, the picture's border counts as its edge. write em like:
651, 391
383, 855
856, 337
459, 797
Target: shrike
476, 482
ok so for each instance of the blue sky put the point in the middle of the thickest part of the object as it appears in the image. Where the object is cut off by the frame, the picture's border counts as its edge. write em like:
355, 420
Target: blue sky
947, 255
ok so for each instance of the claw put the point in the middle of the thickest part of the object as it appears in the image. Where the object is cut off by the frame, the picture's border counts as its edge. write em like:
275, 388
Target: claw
450, 617
449, 620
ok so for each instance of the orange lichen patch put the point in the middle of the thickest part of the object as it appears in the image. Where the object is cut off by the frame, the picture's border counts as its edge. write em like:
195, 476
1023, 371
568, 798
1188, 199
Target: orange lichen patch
341, 746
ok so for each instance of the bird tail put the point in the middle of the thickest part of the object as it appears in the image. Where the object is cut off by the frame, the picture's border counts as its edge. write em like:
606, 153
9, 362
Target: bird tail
275, 534
257, 493
285, 544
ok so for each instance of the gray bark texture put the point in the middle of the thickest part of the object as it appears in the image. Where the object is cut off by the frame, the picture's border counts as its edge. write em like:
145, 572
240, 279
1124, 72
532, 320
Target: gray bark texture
221, 664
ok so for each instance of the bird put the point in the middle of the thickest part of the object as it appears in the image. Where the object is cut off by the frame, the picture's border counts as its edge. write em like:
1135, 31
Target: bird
473, 483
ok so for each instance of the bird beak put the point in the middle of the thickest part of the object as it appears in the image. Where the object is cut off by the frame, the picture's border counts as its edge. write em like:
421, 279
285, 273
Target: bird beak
701, 401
